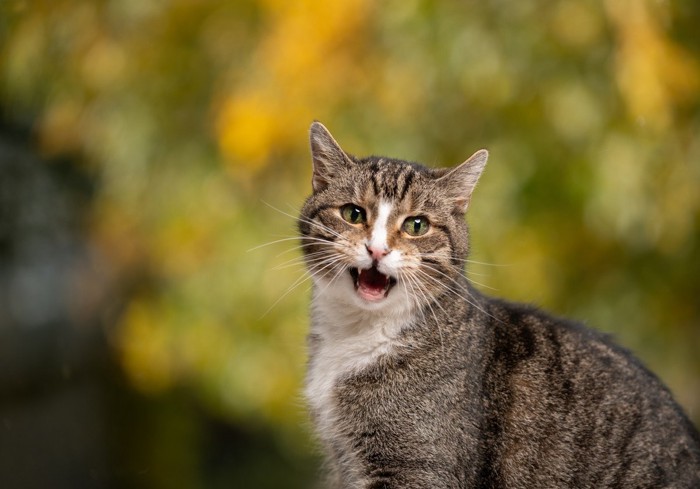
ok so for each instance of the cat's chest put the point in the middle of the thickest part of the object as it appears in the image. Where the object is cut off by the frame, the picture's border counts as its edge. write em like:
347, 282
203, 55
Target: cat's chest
341, 351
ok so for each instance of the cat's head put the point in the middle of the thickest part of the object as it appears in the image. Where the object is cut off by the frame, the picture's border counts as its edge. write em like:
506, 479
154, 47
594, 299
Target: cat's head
381, 233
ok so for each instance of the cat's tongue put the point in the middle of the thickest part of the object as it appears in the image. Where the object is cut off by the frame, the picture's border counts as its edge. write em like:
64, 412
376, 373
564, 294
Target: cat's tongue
372, 285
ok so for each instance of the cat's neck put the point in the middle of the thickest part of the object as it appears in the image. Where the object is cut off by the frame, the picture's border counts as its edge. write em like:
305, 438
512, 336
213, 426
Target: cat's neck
336, 319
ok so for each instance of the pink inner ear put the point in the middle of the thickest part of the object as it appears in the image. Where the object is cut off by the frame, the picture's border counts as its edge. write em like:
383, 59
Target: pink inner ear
460, 181
462, 204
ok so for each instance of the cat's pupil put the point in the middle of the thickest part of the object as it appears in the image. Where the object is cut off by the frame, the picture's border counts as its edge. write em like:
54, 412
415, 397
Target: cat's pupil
353, 214
415, 226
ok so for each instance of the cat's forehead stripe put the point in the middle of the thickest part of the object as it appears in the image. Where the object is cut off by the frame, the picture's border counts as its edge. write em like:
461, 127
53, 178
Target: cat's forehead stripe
407, 179
375, 184
391, 179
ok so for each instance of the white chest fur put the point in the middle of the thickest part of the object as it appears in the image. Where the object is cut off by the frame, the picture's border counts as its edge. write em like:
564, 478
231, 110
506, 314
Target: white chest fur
349, 340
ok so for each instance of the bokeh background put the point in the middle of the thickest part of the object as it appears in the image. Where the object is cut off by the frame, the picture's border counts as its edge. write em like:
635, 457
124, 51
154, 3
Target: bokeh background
150, 148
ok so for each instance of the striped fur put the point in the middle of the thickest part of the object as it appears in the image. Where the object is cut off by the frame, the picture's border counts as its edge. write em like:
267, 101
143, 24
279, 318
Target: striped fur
435, 385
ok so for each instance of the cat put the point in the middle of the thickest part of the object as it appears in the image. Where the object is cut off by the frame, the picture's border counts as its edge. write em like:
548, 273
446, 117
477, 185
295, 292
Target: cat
418, 380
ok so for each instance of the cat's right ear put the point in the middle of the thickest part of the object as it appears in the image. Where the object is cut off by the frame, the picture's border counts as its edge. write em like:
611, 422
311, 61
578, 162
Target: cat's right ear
328, 158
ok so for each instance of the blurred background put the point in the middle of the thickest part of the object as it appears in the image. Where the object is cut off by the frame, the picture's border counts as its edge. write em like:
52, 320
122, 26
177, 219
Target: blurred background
150, 149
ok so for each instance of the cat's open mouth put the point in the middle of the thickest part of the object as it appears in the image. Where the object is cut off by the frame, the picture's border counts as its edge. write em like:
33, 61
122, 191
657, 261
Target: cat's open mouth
371, 284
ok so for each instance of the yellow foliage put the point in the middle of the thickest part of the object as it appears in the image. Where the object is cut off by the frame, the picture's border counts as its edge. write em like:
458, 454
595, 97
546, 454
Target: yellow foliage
653, 73
248, 128
306, 55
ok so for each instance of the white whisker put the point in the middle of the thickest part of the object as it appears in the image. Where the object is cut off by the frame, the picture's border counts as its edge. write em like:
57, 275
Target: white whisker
428, 304
299, 281
468, 297
307, 258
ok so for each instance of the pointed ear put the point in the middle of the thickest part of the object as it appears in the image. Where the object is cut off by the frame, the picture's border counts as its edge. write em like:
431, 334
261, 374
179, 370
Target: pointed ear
459, 182
328, 158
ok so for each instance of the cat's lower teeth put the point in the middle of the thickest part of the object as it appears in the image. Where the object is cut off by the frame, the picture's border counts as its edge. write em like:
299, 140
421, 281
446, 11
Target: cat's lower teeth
371, 284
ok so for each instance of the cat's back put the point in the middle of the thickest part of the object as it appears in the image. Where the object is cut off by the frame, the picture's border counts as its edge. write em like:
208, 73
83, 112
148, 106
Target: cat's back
566, 406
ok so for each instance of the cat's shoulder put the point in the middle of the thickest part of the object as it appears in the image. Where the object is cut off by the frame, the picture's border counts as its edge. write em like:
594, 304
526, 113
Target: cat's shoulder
529, 330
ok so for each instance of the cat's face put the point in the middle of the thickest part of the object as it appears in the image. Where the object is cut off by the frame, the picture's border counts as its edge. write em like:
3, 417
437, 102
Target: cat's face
379, 233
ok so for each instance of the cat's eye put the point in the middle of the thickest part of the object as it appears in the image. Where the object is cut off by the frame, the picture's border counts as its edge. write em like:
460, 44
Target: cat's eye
416, 226
354, 214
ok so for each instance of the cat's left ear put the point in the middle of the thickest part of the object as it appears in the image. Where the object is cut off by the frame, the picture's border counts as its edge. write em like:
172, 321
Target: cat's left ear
459, 182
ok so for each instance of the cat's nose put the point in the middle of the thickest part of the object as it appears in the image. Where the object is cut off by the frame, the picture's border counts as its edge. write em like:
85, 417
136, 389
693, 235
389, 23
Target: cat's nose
377, 252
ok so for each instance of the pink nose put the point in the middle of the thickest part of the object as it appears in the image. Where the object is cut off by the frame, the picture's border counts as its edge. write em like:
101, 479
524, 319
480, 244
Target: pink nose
376, 252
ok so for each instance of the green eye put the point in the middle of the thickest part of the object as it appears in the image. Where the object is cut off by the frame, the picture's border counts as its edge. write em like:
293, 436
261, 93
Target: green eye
416, 226
354, 214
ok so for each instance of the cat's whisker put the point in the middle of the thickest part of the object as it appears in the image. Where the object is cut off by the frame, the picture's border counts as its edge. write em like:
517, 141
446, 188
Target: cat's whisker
341, 270
406, 279
436, 256
316, 269
279, 210
323, 227
406, 290
277, 268
483, 263
447, 257
425, 293
294, 285
304, 246
328, 266
308, 259
297, 262
307, 221
468, 297
459, 291
467, 274
263, 245
428, 304
478, 274
480, 284
298, 282
295, 238
302, 219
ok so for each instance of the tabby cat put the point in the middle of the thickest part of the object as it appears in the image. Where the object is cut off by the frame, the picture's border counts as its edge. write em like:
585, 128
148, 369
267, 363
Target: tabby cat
417, 380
